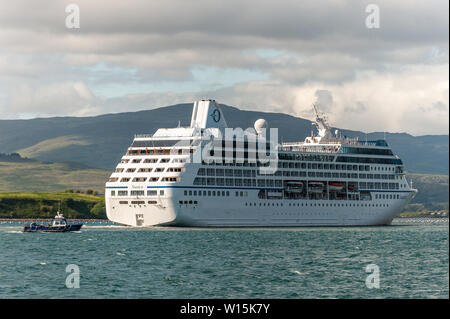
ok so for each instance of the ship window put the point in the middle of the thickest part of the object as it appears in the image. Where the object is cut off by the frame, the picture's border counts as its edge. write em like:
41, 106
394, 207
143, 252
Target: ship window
152, 193
185, 193
113, 193
122, 193
161, 192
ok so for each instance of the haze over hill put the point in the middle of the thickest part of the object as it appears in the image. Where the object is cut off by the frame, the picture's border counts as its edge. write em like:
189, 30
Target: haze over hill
101, 141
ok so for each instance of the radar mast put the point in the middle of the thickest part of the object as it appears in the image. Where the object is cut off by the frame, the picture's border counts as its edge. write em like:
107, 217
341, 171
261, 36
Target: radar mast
321, 123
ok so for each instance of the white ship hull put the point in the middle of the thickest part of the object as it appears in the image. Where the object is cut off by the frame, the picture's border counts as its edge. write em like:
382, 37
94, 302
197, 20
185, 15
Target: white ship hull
223, 212
176, 177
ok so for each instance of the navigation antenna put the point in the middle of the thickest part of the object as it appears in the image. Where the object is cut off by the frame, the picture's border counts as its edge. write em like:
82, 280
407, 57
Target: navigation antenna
58, 213
321, 123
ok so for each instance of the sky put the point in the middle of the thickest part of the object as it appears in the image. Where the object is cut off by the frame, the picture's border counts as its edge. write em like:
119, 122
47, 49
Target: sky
382, 69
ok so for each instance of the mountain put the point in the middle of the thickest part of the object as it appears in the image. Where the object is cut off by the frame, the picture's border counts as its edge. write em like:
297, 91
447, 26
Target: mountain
101, 141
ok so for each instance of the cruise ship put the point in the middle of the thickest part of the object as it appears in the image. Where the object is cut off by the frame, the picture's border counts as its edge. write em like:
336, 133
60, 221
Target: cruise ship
210, 175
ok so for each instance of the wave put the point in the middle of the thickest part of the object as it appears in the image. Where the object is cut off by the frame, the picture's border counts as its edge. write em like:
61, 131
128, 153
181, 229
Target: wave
104, 226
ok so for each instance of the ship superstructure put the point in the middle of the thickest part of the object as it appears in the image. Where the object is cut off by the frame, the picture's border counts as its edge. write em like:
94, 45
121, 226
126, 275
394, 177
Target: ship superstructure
202, 176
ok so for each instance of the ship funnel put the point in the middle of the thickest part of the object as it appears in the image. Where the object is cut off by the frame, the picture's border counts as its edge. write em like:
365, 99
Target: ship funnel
207, 114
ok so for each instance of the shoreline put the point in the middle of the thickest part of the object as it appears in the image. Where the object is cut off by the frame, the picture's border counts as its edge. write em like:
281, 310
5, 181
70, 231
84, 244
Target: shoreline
48, 219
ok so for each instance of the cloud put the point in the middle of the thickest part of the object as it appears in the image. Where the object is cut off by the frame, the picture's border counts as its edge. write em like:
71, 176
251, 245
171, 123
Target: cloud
324, 100
59, 99
255, 54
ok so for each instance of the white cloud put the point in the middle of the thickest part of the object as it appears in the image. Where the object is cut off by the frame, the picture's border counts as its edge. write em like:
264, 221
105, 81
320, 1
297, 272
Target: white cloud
68, 98
394, 78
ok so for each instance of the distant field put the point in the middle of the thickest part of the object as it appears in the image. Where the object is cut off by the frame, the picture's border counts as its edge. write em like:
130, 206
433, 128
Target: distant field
52, 144
45, 205
38, 177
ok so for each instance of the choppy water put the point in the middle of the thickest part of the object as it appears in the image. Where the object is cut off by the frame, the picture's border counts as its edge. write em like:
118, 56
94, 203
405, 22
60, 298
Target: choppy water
122, 262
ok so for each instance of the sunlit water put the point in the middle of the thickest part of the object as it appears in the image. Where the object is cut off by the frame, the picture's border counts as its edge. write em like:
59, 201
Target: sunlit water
121, 262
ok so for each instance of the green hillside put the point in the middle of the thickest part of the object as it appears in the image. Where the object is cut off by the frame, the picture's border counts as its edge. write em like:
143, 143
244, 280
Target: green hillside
52, 145
45, 205
432, 196
39, 177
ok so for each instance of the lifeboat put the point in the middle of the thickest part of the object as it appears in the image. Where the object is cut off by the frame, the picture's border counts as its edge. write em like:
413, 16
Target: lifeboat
335, 186
315, 187
294, 186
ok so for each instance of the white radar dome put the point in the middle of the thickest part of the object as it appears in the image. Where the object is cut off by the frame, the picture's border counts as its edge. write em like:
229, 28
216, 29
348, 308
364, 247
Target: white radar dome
260, 125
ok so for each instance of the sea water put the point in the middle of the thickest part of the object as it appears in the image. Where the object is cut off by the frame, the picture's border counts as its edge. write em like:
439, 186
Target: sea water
408, 259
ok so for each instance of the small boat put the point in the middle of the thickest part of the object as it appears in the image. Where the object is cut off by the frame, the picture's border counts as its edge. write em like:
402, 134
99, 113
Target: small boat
59, 225
336, 186
315, 187
294, 186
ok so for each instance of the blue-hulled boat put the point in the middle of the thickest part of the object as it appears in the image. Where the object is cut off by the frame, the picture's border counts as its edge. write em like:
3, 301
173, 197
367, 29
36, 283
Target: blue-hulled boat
59, 225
